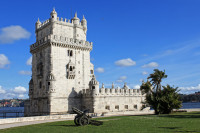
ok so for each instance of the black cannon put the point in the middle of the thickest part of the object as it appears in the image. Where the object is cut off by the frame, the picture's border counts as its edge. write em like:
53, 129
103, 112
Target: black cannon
81, 118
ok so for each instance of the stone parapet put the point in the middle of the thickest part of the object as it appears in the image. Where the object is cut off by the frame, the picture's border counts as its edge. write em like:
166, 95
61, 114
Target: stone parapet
62, 41
112, 92
60, 21
36, 118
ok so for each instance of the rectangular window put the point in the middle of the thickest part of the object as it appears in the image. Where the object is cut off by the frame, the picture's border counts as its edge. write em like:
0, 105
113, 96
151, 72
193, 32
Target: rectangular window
126, 106
107, 107
91, 72
135, 106
117, 107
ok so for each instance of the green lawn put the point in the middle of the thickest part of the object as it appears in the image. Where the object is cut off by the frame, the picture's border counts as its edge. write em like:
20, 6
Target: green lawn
176, 122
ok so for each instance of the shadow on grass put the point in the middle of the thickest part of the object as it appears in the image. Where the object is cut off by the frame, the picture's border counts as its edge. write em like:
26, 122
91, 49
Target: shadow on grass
93, 122
180, 116
174, 129
169, 127
65, 125
96, 123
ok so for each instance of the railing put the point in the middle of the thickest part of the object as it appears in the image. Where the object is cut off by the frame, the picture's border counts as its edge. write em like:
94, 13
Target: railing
11, 114
15, 114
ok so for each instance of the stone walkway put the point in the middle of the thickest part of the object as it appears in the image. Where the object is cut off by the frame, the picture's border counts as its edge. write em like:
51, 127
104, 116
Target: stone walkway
18, 124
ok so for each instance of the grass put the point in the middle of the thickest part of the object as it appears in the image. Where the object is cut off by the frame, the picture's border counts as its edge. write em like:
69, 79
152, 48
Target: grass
176, 122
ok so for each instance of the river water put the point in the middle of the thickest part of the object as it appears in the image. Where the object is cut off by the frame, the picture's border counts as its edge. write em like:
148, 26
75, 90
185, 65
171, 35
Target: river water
21, 109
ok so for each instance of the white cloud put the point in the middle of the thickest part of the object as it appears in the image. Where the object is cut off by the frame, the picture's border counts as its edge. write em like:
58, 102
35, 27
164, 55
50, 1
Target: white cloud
144, 73
125, 62
17, 92
136, 87
152, 64
20, 90
12, 33
3, 61
25, 72
2, 91
121, 79
21, 96
99, 70
191, 89
29, 61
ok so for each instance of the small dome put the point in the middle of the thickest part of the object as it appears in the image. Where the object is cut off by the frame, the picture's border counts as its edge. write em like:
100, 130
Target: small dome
53, 12
125, 86
75, 17
31, 81
83, 19
93, 81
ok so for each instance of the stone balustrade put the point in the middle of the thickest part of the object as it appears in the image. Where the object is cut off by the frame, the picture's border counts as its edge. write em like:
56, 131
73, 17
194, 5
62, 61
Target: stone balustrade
62, 40
113, 92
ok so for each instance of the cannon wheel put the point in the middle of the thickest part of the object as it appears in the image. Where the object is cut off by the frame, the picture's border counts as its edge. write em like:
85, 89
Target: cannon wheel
76, 121
83, 121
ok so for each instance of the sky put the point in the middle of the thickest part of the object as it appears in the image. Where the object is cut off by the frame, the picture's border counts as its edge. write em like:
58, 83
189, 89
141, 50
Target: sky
130, 39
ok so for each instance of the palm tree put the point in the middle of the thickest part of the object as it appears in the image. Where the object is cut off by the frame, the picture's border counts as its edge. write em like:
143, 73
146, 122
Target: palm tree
156, 79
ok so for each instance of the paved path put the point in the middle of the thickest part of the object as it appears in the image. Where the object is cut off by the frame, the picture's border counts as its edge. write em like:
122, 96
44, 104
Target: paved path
18, 124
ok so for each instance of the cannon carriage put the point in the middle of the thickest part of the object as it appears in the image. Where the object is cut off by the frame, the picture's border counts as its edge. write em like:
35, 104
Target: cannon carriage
82, 118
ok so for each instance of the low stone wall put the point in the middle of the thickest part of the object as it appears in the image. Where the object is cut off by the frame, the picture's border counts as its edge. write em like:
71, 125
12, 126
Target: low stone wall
188, 110
149, 112
36, 118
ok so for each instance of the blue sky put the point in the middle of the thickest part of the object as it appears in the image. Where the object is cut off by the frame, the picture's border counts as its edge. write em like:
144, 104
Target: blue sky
131, 38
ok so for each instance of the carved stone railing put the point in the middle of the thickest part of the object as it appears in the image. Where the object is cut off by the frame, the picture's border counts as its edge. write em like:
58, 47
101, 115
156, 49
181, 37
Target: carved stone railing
62, 41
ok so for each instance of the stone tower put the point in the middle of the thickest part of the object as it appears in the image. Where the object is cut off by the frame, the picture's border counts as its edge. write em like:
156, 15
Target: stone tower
61, 65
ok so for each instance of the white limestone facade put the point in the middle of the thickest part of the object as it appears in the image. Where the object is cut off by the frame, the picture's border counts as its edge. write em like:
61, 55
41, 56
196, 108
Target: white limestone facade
63, 76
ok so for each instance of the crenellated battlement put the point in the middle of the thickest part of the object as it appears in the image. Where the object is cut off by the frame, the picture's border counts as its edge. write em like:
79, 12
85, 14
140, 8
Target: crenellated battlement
62, 41
61, 21
112, 92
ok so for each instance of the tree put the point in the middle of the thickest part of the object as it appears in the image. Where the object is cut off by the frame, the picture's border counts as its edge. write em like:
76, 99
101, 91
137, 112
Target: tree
163, 99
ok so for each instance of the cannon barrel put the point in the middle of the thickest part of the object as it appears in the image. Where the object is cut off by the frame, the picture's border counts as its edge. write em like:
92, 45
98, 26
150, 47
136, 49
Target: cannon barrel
77, 111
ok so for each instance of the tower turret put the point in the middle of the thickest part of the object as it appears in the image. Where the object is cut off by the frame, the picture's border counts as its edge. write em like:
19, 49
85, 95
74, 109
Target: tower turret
94, 86
53, 15
37, 24
75, 20
84, 23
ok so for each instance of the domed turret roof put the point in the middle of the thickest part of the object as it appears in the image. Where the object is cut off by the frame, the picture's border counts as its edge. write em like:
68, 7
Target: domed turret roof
53, 12
75, 17
93, 81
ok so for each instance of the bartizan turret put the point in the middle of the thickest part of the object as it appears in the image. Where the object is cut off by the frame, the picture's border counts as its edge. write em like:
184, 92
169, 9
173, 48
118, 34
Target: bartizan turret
37, 24
94, 86
84, 24
75, 20
53, 15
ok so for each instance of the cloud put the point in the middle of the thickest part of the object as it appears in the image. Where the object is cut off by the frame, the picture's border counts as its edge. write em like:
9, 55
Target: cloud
190, 89
19, 90
121, 79
99, 70
125, 62
152, 64
25, 72
29, 61
144, 73
3, 61
2, 91
21, 96
136, 87
12, 33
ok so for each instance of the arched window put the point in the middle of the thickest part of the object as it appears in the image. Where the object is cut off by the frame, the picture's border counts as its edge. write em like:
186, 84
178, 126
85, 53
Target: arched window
71, 53
40, 84
70, 69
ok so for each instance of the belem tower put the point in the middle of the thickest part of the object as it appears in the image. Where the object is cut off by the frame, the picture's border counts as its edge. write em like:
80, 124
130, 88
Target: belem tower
63, 76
